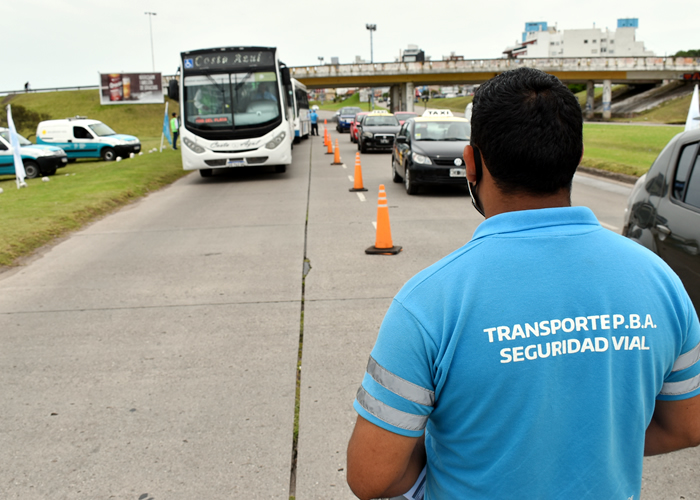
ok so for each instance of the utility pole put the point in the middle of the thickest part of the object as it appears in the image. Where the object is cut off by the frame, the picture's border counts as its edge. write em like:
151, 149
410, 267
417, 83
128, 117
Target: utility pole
372, 28
153, 57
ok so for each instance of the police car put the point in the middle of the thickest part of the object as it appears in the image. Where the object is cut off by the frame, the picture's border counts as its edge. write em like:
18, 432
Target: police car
81, 137
38, 160
429, 150
377, 131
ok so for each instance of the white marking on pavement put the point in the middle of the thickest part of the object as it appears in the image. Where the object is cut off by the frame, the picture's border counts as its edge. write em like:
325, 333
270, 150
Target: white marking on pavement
361, 196
344, 166
352, 179
374, 223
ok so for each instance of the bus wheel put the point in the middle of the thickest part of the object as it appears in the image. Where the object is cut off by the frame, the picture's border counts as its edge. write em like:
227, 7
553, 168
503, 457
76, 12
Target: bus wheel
108, 154
205, 172
280, 169
297, 140
31, 169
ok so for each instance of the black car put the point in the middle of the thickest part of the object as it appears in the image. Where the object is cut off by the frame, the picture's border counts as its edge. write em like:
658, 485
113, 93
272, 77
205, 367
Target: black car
663, 211
429, 150
378, 131
345, 118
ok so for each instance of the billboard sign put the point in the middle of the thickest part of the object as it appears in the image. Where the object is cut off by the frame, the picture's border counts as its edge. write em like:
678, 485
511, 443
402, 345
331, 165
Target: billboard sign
131, 88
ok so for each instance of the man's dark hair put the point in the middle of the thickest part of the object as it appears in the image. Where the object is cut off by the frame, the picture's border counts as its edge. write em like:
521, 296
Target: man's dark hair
529, 129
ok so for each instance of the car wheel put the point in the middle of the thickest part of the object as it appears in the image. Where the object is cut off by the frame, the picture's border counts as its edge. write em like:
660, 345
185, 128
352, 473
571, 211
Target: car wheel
280, 169
205, 172
108, 154
31, 169
363, 148
394, 174
411, 187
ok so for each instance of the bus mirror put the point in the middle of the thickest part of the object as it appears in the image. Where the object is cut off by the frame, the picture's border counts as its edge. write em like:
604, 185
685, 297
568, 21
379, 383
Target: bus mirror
286, 78
173, 90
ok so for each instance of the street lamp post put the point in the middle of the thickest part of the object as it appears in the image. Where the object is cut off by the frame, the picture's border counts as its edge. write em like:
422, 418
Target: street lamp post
150, 26
372, 28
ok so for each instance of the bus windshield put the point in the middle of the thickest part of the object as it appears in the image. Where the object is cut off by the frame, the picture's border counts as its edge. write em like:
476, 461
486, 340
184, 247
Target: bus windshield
234, 100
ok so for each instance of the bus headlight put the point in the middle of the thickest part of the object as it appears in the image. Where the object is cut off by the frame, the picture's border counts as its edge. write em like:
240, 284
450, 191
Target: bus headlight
276, 141
193, 145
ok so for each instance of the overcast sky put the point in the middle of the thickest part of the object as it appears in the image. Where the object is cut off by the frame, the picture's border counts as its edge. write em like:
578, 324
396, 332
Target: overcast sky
56, 43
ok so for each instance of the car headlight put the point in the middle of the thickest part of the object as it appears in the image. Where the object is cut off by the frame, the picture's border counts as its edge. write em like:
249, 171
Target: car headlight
421, 159
276, 141
193, 145
368, 135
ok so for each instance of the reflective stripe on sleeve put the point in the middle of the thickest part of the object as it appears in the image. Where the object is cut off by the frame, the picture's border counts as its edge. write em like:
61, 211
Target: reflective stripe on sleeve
391, 416
397, 385
688, 359
683, 387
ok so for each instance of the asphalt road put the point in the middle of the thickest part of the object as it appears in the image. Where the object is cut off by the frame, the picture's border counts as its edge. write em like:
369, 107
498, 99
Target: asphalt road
153, 354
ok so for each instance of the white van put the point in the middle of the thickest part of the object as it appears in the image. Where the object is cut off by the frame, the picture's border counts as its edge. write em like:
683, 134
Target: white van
81, 137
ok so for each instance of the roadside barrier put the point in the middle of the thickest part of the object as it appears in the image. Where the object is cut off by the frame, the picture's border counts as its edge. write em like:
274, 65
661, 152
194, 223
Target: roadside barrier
383, 244
357, 184
336, 158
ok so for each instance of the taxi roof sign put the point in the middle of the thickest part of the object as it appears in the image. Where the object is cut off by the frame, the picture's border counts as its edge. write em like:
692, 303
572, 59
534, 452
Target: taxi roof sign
379, 112
437, 112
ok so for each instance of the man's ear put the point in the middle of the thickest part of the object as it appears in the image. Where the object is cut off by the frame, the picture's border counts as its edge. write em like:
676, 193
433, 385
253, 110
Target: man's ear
469, 163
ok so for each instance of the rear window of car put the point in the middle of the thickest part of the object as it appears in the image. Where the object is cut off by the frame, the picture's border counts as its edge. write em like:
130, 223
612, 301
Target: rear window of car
350, 111
442, 131
380, 120
686, 182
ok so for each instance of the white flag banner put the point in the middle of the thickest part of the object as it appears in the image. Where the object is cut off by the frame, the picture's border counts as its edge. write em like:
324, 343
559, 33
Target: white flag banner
693, 120
19, 166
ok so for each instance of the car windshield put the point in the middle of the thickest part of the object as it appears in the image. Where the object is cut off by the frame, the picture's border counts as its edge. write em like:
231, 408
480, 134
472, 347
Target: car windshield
5, 134
442, 131
101, 130
349, 111
240, 100
387, 121
359, 118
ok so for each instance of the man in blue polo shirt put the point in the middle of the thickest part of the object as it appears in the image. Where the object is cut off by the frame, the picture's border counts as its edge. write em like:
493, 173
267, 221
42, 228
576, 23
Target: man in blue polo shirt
544, 358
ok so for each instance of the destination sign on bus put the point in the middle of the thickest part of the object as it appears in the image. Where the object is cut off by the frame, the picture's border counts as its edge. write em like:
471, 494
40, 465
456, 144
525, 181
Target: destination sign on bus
228, 60
201, 120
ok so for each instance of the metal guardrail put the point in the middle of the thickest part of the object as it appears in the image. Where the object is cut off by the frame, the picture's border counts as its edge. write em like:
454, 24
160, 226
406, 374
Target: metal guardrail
50, 89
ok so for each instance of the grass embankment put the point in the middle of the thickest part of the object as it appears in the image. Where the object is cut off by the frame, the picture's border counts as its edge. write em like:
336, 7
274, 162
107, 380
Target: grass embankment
145, 121
353, 100
626, 149
77, 194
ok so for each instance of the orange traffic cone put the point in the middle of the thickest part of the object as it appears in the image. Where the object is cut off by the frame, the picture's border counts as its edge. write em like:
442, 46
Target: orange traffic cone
326, 137
357, 186
383, 244
330, 146
336, 158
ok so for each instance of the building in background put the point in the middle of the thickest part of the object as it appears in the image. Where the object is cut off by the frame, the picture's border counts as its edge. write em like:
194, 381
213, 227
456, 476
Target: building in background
540, 40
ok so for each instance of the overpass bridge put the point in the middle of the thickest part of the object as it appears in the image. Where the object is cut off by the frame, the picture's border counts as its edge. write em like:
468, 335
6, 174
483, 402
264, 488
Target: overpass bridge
403, 77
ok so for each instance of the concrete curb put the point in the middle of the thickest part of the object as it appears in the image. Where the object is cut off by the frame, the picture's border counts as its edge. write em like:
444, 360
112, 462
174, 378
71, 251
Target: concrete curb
627, 179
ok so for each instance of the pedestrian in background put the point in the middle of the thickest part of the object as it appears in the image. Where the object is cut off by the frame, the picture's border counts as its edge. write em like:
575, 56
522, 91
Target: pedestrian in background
545, 357
175, 129
314, 122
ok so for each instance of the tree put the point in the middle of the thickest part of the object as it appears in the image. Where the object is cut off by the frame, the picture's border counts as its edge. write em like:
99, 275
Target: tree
688, 53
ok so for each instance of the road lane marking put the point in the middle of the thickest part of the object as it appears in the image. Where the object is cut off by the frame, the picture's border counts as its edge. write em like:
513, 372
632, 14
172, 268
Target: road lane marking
374, 223
352, 179
361, 196
344, 166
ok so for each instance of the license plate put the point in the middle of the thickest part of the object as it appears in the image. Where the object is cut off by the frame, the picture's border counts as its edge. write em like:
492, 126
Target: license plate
384, 140
235, 163
458, 172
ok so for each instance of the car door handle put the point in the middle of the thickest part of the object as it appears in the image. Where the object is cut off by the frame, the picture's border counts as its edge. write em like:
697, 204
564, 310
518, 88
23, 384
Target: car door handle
663, 229
70, 140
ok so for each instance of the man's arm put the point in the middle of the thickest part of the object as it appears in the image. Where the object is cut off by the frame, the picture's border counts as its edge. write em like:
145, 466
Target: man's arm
381, 463
674, 426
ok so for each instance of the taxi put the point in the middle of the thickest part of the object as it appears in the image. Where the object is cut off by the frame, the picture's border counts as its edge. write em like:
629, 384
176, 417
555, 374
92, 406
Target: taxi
377, 131
429, 149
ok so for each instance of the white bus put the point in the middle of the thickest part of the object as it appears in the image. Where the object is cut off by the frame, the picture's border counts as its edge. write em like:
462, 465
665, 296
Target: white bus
234, 109
300, 98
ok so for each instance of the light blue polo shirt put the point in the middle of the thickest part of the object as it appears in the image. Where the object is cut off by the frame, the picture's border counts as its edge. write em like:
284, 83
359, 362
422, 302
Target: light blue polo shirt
533, 356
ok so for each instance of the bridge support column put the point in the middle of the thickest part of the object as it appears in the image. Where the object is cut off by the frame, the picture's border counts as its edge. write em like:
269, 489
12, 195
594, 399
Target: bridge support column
409, 96
395, 93
590, 96
607, 99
